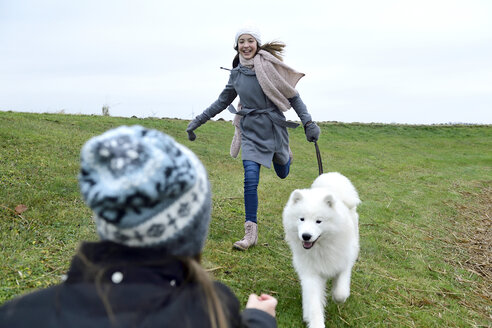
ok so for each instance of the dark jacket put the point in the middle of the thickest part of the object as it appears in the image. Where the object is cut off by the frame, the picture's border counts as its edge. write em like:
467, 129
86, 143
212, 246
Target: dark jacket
136, 288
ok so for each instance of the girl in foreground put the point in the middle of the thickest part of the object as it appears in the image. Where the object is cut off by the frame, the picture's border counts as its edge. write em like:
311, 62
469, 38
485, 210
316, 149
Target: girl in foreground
151, 201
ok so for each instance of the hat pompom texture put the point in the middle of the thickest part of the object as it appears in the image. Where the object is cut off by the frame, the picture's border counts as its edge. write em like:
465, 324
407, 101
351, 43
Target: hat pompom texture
146, 190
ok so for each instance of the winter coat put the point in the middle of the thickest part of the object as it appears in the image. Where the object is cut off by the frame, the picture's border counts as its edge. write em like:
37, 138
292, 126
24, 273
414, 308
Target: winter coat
264, 136
135, 289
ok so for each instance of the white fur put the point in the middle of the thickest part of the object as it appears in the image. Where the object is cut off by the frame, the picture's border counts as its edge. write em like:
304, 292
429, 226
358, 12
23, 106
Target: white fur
327, 214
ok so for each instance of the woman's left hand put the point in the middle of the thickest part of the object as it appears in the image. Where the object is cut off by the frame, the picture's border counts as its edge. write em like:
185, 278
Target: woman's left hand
312, 131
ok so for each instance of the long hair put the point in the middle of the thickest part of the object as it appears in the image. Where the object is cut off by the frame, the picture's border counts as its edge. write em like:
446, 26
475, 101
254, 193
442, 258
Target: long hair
194, 272
276, 48
197, 274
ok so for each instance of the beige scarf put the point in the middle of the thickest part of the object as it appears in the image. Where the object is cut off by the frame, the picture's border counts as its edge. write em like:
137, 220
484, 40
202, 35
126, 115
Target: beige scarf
276, 79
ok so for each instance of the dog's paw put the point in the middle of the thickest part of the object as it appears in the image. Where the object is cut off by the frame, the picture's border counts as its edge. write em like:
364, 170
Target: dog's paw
340, 296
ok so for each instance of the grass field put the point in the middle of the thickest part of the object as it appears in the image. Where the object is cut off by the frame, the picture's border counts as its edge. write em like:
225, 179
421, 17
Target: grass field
425, 217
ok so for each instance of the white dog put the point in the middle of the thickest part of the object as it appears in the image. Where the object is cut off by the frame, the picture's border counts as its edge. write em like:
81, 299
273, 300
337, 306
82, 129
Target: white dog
321, 228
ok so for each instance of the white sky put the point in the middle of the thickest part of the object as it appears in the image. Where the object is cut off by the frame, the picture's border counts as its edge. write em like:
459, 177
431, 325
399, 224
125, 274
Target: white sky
389, 61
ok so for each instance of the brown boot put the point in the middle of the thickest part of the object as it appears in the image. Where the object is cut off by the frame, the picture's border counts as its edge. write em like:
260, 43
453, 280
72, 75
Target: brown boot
250, 237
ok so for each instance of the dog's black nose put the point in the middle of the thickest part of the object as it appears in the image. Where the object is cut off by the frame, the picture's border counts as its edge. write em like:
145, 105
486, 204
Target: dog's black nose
306, 236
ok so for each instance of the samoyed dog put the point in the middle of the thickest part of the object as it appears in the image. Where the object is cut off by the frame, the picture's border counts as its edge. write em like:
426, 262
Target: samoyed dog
321, 228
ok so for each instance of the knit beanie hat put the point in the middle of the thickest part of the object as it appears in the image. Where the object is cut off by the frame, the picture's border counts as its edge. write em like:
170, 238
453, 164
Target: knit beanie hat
146, 190
253, 31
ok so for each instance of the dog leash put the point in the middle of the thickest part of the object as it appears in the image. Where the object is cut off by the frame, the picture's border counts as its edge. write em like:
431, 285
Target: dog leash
318, 157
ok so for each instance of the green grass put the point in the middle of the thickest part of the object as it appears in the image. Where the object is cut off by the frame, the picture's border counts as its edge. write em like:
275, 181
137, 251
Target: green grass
425, 194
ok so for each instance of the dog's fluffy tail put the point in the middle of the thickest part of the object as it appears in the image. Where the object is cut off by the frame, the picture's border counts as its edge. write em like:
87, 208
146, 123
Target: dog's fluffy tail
340, 185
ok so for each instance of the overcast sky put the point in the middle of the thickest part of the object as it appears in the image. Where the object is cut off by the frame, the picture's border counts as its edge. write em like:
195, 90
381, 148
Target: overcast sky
389, 61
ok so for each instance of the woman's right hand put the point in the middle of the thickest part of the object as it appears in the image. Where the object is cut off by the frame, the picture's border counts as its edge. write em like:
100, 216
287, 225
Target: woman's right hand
192, 126
195, 123
263, 302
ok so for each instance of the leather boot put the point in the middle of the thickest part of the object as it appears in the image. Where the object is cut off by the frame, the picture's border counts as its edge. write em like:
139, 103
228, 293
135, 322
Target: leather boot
250, 236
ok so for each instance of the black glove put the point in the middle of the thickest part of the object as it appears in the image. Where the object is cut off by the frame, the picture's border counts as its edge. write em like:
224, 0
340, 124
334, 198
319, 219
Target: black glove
199, 120
312, 131
192, 126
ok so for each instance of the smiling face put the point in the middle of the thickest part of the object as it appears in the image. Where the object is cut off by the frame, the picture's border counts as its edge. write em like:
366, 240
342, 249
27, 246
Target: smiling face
247, 46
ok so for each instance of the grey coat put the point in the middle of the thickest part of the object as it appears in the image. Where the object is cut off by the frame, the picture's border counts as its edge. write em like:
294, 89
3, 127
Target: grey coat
264, 136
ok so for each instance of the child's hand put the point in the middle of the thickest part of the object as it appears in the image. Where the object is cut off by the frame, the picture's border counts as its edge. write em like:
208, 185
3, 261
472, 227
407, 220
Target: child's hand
263, 302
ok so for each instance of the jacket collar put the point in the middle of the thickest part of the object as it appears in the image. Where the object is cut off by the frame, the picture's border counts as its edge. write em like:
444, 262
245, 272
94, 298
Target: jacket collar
101, 260
244, 70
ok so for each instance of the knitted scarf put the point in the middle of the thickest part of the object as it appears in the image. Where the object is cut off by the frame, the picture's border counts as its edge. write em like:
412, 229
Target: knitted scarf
277, 80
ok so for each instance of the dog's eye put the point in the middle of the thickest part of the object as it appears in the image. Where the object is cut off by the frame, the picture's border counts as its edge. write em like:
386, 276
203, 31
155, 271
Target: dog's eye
302, 219
318, 221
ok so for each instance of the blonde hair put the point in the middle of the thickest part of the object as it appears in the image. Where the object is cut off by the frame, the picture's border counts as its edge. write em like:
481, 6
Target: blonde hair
276, 48
215, 310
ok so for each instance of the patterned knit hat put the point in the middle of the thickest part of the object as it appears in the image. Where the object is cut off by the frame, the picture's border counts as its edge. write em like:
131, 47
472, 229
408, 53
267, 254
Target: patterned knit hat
253, 31
146, 190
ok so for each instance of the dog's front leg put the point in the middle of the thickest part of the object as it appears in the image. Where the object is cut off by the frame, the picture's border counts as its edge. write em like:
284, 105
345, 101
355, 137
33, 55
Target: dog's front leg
341, 286
313, 300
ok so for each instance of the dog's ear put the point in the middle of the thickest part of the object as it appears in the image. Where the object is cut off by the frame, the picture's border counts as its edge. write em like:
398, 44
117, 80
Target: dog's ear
296, 196
329, 200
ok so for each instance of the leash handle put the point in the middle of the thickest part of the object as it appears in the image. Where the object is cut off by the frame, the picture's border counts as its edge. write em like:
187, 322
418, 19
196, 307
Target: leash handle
318, 157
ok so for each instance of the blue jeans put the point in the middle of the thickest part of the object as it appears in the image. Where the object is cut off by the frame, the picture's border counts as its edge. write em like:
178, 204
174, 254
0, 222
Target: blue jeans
251, 180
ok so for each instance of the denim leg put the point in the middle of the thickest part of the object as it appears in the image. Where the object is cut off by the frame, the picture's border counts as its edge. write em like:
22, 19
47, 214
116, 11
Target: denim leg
282, 170
251, 180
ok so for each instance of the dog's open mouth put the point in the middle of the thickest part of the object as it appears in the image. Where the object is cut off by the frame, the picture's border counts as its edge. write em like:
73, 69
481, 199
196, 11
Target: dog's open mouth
308, 244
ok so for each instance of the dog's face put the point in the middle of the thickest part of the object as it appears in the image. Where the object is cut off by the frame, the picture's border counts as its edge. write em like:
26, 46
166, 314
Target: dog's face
310, 215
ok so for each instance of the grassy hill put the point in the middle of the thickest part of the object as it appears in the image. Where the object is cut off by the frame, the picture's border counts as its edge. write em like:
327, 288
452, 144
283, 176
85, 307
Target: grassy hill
425, 217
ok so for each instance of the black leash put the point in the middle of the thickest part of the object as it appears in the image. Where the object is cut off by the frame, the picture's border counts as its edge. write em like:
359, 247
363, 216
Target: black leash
318, 157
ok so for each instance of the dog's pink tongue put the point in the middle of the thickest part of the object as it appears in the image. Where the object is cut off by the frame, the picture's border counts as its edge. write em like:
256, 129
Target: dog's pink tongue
307, 244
